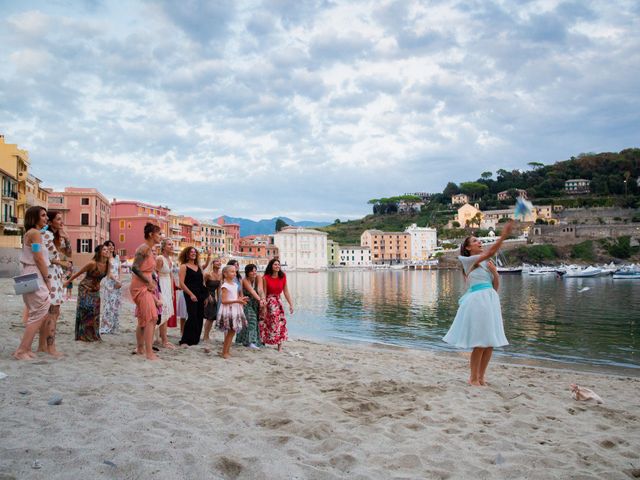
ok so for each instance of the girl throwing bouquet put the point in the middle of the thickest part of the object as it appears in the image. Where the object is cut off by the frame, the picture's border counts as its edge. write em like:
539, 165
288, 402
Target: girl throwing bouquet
478, 323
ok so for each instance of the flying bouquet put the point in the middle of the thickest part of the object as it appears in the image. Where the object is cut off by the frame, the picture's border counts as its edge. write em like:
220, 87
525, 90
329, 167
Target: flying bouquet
523, 208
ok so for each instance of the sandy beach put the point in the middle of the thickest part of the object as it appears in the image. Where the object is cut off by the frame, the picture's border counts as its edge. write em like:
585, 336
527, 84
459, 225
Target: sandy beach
316, 411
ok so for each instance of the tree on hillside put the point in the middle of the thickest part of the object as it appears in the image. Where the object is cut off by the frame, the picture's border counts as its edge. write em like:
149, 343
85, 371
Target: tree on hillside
280, 224
486, 175
450, 190
474, 189
535, 165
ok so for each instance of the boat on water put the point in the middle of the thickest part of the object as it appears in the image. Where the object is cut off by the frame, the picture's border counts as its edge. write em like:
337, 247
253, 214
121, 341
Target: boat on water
399, 266
509, 270
627, 273
573, 272
539, 271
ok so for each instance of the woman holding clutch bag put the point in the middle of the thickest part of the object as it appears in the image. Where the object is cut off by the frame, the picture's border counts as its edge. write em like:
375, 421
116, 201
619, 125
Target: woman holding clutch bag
34, 260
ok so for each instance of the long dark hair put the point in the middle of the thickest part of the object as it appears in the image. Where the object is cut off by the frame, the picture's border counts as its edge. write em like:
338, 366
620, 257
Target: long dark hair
97, 253
269, 270
150, 228
108, 243
464, 247
51, 215
32, 217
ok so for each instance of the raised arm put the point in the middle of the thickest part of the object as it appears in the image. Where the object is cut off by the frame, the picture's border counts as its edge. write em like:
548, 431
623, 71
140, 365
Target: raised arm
141, 254
65, 244
493, 249
84, 269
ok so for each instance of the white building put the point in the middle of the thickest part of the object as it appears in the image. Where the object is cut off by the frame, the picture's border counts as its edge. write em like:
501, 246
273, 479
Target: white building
355, 256
302, 248
423, 241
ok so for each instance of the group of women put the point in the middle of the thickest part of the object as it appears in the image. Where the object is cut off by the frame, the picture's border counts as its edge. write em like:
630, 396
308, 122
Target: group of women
207, 295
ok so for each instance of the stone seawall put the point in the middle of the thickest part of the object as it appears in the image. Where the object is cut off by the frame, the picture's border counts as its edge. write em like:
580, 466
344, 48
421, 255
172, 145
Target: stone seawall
570, 234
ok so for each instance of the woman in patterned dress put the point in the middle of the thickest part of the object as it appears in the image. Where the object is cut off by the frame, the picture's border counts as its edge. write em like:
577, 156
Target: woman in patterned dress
273, 324
252, 289
212, 280
56, 244
110, 294
88, 310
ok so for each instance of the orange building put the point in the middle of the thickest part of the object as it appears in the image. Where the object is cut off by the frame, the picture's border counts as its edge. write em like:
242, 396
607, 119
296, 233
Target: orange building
387, 247
259, 246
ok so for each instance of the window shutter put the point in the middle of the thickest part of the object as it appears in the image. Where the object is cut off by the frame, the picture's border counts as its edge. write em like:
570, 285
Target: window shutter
90, 246
78, 245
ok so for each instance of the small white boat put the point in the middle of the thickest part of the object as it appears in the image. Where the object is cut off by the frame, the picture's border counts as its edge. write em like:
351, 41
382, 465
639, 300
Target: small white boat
399, 266
627, 273
543, 271
509, 270
582, 272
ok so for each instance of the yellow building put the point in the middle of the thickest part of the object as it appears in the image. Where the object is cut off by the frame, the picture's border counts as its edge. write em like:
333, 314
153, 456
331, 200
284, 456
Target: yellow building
15, 163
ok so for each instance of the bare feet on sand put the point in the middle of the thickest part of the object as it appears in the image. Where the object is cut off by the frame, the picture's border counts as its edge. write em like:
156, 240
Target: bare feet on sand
153, 357
169, 346
18, 355
225, 355
475, 383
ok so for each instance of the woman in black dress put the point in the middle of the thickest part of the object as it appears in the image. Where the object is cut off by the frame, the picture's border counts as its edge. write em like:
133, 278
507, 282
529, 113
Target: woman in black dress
195, 293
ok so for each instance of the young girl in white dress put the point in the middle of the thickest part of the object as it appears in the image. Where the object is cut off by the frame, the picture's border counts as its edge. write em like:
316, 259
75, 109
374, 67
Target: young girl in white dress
478, 323
230, 317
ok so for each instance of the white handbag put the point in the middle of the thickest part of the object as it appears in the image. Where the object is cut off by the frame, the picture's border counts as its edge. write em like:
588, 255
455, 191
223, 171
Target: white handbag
28, 283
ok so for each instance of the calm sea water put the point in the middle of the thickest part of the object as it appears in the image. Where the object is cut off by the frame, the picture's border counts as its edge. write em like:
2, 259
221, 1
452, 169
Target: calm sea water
546, 318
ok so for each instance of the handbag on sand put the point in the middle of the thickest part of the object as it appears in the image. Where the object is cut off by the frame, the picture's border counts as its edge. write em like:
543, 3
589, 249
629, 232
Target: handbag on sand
26, 283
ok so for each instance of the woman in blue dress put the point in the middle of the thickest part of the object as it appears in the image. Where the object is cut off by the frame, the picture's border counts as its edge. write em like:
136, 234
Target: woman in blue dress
478, 323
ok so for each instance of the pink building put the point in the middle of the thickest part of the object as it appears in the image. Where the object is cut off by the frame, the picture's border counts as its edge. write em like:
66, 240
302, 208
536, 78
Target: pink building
232, 230
128, 218
86, 215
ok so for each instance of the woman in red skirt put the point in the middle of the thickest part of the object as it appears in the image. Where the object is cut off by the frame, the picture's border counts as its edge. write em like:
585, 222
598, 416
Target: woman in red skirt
273, 324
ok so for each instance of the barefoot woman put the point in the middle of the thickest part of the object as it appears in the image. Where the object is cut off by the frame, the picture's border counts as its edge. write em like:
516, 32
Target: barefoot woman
478, 323
143, 287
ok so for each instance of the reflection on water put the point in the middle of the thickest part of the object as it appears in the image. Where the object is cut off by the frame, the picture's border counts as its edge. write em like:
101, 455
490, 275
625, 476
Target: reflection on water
545, 317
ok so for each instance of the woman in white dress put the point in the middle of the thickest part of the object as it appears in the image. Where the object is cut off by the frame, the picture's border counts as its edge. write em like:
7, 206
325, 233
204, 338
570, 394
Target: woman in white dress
478, 323
110, 293
164, 267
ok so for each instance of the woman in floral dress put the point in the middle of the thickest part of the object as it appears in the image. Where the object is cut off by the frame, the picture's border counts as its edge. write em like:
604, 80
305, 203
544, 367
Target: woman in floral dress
252, 289
273, 324
110, 294
88, 310
56, 244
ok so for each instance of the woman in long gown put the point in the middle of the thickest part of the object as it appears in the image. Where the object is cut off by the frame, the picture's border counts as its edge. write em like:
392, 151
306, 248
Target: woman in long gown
143, 288
273, 323
212, 281
164, 266
252, 289
56, 244
195, 293
88, 306
111, 294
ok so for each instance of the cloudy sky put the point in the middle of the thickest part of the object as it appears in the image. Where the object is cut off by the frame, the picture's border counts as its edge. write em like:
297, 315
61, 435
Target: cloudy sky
310, 108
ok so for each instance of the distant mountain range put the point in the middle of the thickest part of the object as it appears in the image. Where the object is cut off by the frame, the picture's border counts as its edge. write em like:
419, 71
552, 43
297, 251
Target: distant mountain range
266, 227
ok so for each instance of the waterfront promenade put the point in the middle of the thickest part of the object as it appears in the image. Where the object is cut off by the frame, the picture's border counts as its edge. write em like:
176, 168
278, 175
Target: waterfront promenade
316, 411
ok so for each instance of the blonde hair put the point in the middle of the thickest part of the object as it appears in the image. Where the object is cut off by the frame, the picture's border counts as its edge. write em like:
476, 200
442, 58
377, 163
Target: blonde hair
225, 269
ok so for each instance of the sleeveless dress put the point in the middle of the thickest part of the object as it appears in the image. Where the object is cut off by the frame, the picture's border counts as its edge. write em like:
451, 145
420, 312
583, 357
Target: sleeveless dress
181, 304
251, 334
273, 324
146, 310
165, 282
111, 299
56, 273
478, 322
88, 310
37, 302
231, 315
194, 281
211, 303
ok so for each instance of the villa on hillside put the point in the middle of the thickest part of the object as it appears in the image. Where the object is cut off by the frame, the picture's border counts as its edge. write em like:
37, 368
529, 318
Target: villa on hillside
576, 186
470, 215
512, 194
459, 199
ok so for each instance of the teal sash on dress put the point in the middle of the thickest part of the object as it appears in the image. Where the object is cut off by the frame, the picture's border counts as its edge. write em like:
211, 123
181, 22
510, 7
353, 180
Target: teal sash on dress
474, 288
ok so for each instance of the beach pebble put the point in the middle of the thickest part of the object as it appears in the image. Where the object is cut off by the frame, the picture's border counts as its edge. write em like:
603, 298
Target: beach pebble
110, 463
3, 375
499, 460
55, 400
36, 464
24, 392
